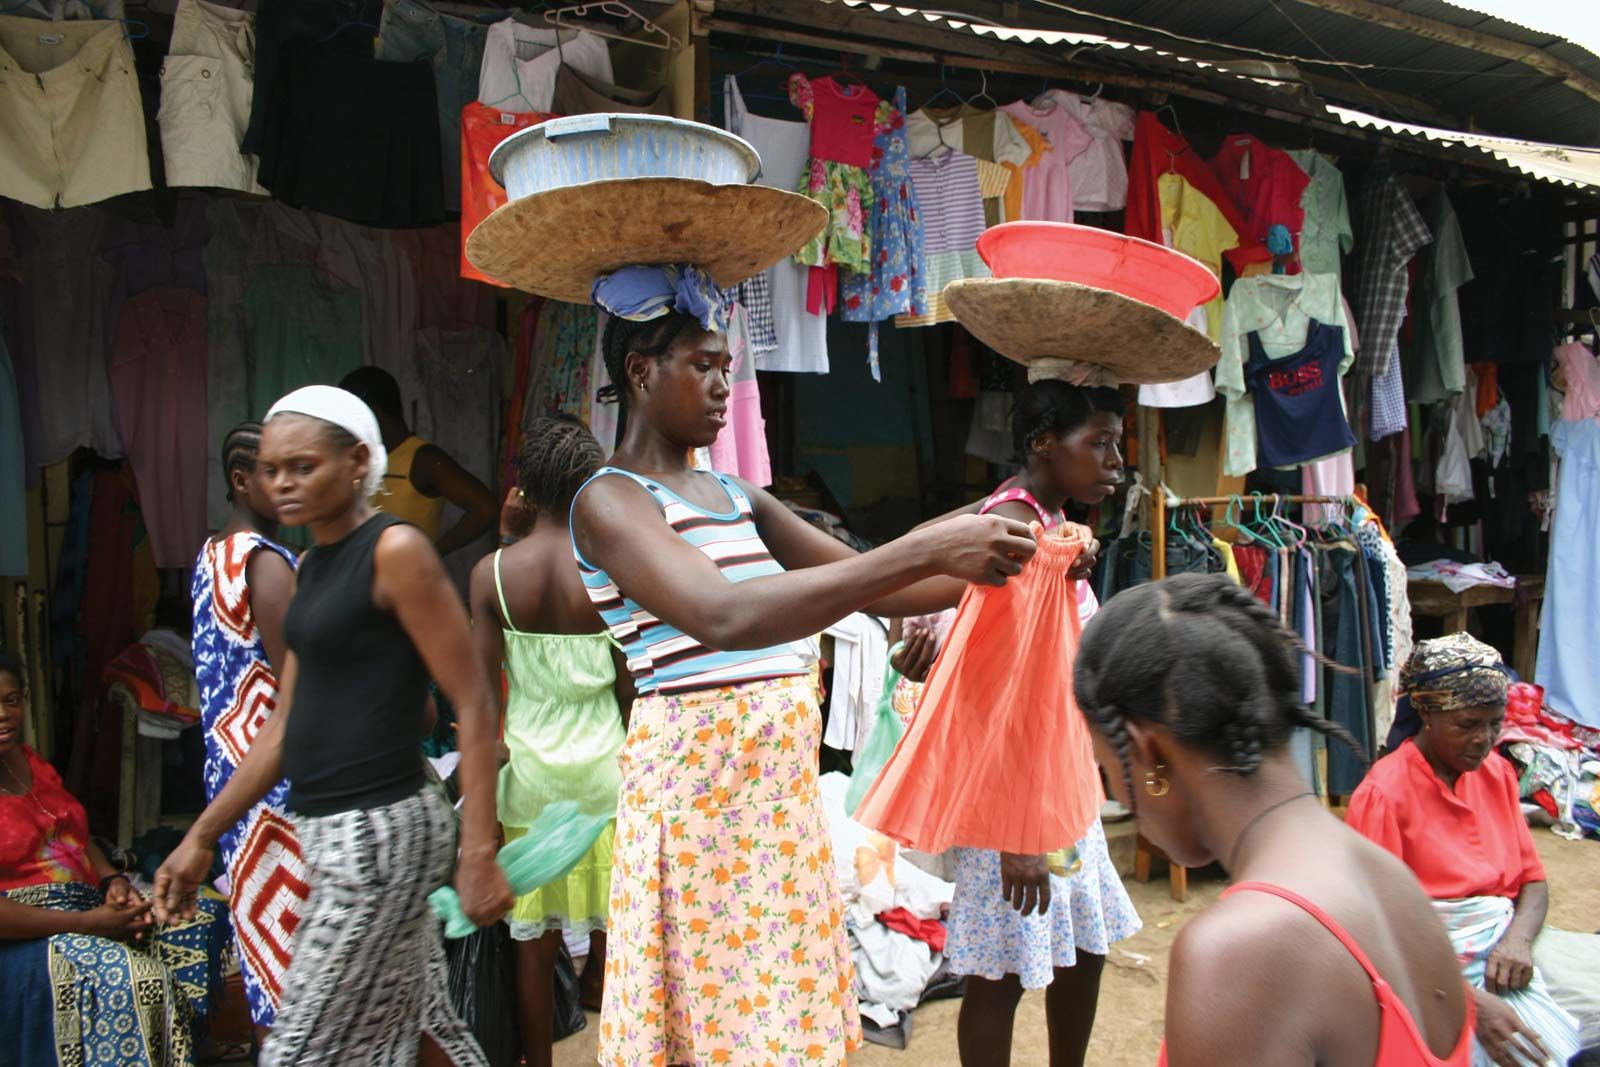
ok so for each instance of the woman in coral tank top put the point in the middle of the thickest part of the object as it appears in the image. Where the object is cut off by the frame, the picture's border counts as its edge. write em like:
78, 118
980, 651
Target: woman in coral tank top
1325, 950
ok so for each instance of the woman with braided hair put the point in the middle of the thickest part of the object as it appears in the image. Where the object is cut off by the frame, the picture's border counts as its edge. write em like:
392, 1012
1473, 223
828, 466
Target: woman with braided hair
1325, 950
727, 932
562, 727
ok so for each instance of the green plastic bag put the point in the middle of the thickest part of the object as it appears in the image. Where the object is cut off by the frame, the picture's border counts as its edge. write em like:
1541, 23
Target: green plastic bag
553, 845
880, 743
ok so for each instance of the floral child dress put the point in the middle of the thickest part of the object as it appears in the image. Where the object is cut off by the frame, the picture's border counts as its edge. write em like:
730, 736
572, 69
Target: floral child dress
843, 126
894, 285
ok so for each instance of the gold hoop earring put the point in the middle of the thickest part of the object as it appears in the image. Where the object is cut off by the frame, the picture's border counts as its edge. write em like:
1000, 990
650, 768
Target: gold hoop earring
1155, 782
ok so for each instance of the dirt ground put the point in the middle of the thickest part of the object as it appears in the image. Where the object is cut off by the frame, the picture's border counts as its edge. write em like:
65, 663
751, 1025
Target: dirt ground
1128, 1028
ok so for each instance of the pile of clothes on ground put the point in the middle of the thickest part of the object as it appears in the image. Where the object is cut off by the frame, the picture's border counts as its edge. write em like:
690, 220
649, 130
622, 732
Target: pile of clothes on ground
895, 908
1559, 760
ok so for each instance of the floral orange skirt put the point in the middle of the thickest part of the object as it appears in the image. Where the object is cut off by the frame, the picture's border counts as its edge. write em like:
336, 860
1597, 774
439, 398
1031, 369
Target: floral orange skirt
727, 937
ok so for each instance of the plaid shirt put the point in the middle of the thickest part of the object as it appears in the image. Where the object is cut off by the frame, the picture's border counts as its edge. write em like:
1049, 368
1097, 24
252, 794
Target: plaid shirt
1392, 231
756, 296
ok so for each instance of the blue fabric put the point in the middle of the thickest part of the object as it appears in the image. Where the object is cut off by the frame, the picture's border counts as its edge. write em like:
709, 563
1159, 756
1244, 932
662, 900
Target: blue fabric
13, 474
640, 294
1279, 241
1299, 413
26, 1011
1568, 668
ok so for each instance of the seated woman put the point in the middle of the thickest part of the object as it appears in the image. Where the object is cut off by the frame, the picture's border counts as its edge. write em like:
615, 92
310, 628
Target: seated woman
1448, 805
87, 977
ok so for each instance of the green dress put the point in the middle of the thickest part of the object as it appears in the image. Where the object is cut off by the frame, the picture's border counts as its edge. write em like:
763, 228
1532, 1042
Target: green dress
564, 732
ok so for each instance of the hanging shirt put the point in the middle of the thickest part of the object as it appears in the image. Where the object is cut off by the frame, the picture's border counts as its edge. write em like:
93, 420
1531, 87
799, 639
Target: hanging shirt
158, 374
1157, 151
951, 199
482, 130
741, 447
1470, 841
1326, 231
1199, 230
520, 64
1265, 184
1441, 356
1392, 232
1279, 308
802, 338
933, 131
1037, 146
1299, 413
1047, 187
1100, 173
843, 119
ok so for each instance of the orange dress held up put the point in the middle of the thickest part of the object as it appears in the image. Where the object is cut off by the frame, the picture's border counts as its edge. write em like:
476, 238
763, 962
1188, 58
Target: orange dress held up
998, 755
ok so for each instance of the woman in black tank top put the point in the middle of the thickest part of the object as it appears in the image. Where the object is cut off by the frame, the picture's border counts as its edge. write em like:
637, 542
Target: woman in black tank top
373, 617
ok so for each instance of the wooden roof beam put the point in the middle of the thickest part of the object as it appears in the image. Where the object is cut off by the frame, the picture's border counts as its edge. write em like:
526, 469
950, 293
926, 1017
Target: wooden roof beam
1460, 37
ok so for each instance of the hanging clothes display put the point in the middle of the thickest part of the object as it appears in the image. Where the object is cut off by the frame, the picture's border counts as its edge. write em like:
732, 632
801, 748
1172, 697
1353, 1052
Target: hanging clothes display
1279, 309
1265, 183
521, 62
391, 174
802, 341
1392, 232
1326, 233
1567, 666
1157, 151
207, 85
344, 26
1099, 174
1298, 401
984, 134
72, 125
482, 130
412, 31
741, 447
895, 285
158, 377
1195, 226
952, 216
577, 93
1047, 187
1439, 367
844, 123
68, 290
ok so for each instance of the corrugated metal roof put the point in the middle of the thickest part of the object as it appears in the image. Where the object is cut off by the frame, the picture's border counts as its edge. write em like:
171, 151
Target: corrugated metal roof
1566, 164
1466, 88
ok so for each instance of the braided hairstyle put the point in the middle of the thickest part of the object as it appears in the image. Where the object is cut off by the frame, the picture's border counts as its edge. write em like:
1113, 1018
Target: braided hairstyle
239, 450
652, 338
1052, 406
1201, 655
557, 456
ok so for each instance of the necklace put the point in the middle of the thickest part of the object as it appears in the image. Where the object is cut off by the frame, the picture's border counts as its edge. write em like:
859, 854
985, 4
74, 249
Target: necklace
1251, 825
23, 791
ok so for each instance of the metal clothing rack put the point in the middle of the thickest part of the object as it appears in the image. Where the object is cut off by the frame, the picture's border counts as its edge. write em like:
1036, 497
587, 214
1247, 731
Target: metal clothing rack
1161, 505
1145, 852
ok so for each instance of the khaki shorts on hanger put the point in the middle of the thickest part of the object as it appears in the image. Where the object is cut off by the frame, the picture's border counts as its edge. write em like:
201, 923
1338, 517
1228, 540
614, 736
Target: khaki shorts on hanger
71, 121
206, 90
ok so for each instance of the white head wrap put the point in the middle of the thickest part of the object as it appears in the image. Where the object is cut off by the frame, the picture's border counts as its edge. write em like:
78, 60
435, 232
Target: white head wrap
346, 411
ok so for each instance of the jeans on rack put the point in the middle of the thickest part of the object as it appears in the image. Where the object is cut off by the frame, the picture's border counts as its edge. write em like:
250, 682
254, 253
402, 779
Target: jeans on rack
1347, 702
412, 30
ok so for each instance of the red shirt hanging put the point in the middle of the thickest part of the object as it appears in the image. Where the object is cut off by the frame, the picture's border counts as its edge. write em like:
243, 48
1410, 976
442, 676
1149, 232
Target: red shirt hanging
843, 119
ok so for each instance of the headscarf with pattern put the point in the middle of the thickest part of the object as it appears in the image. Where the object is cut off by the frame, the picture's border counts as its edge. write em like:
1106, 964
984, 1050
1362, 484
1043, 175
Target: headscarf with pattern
1458, 671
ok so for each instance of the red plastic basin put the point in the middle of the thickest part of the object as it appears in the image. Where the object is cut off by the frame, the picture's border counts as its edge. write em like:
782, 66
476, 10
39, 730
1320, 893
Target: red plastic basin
1063, 252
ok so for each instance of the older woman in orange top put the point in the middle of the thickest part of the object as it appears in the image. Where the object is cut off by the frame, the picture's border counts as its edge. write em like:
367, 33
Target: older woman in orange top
1448, 805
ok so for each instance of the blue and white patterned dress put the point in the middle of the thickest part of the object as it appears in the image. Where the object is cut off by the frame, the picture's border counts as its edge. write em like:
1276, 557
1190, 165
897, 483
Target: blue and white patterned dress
1089, 911
238, 691
895, 285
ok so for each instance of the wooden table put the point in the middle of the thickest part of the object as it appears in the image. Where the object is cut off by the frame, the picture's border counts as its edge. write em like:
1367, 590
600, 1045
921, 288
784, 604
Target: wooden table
1433, 599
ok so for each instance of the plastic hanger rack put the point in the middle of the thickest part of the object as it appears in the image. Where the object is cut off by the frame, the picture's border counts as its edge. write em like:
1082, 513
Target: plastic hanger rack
1161, 502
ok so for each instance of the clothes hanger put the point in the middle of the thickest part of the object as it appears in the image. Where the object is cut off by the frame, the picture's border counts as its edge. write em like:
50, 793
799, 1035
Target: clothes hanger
658, 37
1298, 534
352, 24
983, 92
938, 127
776, 59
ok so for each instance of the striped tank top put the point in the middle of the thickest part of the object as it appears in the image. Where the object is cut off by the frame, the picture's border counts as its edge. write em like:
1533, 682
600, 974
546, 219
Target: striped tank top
662, 658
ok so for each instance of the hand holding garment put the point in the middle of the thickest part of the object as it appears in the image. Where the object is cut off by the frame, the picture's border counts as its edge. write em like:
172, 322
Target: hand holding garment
998, 756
